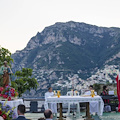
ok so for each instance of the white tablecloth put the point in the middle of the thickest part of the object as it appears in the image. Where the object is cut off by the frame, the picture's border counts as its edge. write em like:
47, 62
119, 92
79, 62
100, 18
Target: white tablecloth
14, 103
67, 99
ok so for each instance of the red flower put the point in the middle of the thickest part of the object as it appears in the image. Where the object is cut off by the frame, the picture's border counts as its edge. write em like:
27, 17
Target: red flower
0, 95
12, 90
12, 94
0, 112
9, 98
7, 86
4, 116
1, 89
5, 96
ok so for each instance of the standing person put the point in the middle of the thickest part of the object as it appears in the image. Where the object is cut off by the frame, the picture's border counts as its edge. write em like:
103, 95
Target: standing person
107, 107
104, 93
52, 106
21, 112
89, 92
5, 71
48, 114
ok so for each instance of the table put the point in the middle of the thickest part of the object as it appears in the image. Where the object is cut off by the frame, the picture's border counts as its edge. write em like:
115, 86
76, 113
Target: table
13, 103
80, 99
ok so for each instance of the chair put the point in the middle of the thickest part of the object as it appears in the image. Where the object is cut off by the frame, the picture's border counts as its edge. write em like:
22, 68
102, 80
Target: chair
70, 93
76, 93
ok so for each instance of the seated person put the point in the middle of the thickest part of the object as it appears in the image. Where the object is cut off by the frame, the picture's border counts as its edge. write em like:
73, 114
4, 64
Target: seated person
41, 119
21, 112
93, 104
107, 107
52, 106
48, 114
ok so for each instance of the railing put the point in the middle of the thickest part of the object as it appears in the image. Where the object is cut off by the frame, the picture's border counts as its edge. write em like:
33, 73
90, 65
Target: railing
34, 104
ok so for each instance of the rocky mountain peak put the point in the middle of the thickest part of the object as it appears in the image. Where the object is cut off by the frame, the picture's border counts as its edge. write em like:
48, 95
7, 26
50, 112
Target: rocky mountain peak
70, 31
54, 41
64, 50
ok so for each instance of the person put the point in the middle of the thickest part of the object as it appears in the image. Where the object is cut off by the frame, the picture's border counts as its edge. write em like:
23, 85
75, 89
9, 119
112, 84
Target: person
89, 91
52, 106
6, 72
104, 93
94, 105
107, 107
48, 114
21, 112
41, 119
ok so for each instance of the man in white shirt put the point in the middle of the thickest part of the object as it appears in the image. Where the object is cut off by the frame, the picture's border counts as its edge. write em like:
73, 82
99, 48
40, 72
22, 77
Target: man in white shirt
52, 106
89, 92
48, 114
93, 104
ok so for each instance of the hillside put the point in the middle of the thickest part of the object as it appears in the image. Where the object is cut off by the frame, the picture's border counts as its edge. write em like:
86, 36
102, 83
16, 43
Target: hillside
65, 51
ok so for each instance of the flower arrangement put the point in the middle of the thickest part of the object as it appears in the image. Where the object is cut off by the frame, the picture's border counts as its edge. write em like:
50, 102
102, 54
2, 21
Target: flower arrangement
8, 92
7, 112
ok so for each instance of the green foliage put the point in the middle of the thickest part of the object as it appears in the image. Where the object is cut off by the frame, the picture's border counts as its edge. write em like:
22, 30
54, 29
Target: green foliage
24, 81
5, 54
97, 88
1, 81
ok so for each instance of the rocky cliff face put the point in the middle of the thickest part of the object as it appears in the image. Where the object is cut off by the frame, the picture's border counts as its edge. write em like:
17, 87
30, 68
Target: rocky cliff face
64, 49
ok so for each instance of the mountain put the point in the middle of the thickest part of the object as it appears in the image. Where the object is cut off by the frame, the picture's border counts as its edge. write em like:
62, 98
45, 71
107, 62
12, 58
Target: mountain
64, 50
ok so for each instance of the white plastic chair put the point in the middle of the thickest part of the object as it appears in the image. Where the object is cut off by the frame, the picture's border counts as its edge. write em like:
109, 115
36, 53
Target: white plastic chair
70, 93
76, 93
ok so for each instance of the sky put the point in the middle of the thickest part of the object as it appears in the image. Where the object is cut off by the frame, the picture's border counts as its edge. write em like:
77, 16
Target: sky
20, 20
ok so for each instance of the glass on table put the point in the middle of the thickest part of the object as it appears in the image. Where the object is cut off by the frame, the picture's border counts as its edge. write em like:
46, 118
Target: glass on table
54, 93
92, 93
58, 93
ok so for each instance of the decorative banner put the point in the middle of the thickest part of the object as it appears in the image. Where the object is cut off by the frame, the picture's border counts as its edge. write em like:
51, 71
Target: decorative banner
118, 90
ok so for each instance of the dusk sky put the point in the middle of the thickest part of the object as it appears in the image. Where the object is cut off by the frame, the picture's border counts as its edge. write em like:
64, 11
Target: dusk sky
22, 19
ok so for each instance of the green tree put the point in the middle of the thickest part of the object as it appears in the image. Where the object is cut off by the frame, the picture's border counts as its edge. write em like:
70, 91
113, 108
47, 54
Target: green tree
5, 54
97, 88
24, 81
